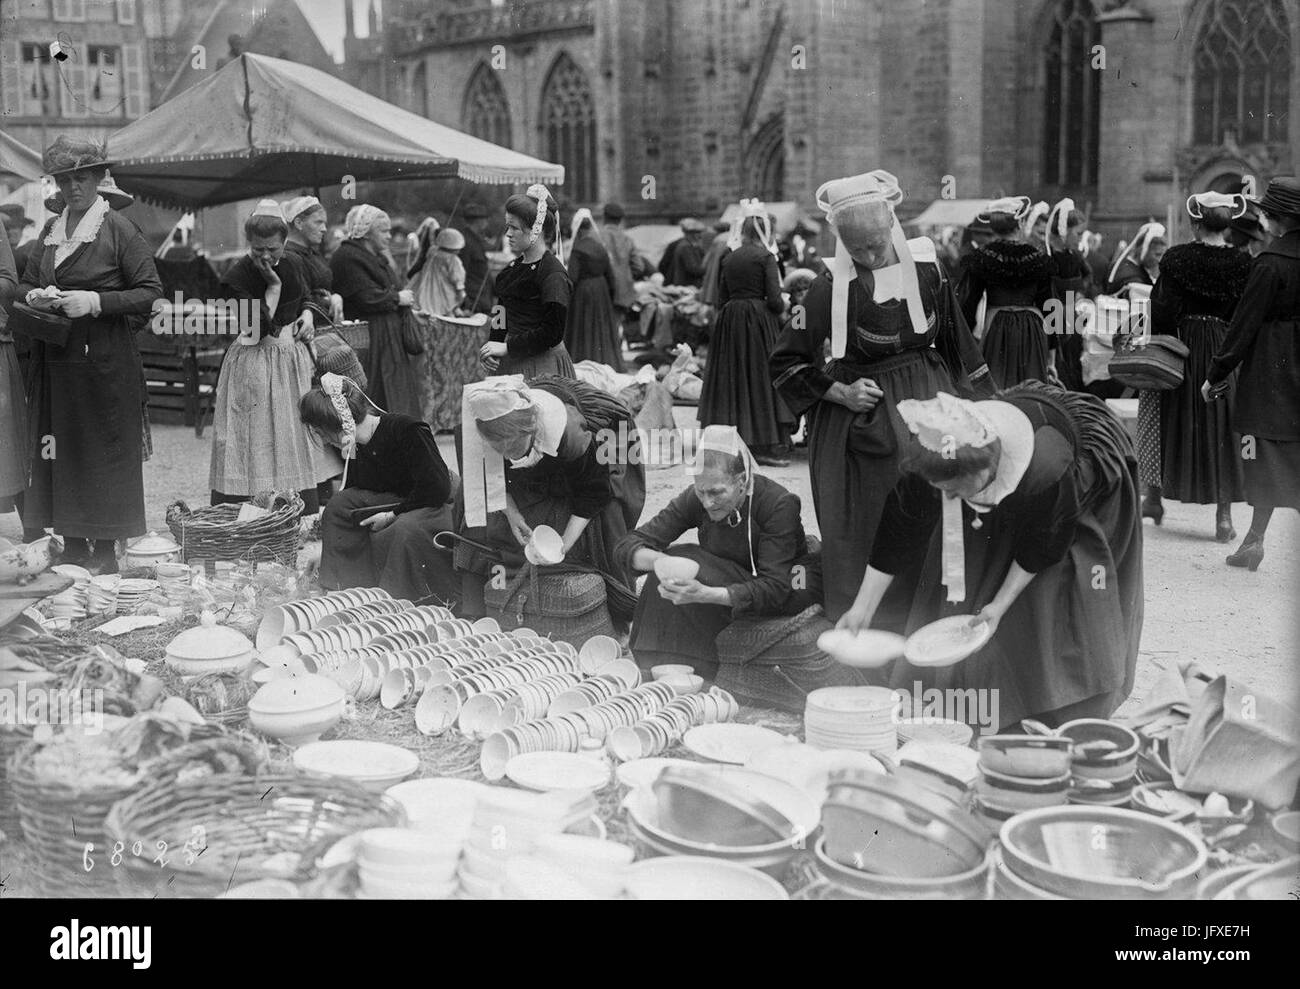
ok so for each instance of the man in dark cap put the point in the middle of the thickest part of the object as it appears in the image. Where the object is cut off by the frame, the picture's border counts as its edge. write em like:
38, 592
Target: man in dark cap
622, 254
473, 223
683, 260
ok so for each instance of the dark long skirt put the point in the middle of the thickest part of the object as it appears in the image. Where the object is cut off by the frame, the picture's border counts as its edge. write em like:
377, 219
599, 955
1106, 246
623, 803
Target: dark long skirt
1200, 459
853, 464
1070, 641
390, 370
13, 425
592, 331
401, 558
663, 632
1272, 473
1015, 346
553, 361
737, 381
85, 433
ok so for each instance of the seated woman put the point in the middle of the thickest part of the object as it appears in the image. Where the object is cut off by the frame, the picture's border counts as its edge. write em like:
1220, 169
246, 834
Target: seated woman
393, 462
1041, 537
571, 462
753, 555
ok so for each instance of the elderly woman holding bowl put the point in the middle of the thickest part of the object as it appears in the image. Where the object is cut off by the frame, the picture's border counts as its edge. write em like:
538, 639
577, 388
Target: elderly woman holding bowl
752, 560
85, 391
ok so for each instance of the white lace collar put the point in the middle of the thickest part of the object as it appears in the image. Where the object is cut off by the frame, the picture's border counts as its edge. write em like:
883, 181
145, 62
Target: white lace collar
1017, 435
87, 230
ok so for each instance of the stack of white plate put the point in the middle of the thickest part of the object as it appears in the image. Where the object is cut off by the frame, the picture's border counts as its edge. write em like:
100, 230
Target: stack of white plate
441, 805
856, 718
131, 593
508, 824
73, 602
101, 594
404, 864
568, 867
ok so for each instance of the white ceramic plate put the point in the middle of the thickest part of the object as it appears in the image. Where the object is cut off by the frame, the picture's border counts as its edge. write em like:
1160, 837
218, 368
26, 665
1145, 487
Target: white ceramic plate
545, 771
946, 642
363, 761
731, 742
698, 877
868, 648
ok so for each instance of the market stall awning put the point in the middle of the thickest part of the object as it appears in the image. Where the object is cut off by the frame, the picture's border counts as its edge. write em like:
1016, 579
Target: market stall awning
948, 213
17, 159
262, 125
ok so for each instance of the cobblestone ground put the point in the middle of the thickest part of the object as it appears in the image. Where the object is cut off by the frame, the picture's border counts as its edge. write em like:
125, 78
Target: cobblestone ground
1247, 625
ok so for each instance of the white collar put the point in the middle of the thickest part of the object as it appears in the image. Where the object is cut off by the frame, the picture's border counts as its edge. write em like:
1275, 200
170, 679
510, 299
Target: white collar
87, 230
552, 418
1016, 433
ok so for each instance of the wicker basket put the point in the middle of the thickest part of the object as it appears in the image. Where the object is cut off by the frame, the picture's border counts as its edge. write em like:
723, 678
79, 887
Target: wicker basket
244, 821
566, 606
60, 821
10, 740
212, 534
355, 335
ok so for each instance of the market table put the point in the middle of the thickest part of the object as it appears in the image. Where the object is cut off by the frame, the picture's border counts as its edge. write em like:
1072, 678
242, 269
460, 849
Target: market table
449, 362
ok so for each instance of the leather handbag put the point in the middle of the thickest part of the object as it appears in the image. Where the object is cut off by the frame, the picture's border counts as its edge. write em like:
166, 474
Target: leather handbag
411, 341
39, 324
1154, 363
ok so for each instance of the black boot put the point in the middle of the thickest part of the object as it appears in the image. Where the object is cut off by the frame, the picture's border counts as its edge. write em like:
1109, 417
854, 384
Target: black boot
75, 550
1223, 530
104, 560
1152, 508
1249, 554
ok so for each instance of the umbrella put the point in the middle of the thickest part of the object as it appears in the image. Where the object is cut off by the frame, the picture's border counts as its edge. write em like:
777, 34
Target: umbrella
263, 125
18, 159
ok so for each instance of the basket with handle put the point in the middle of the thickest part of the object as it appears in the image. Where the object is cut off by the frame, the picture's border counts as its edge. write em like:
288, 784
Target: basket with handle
64, 825
215, 533
227, 830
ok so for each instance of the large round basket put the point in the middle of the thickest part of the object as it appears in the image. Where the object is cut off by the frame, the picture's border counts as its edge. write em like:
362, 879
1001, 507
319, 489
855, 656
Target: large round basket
63, 826
10, 740
214, 533
224, 831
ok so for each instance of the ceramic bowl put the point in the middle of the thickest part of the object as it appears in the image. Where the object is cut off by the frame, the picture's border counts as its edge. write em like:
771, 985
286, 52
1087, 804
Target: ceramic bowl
1117, 753
676, 568
1036, 756
683, 684
671, 669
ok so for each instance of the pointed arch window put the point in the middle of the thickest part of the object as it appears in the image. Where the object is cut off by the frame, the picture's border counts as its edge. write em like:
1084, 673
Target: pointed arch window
765, 162
569, 127
1071, 117
1241, 73
485, 112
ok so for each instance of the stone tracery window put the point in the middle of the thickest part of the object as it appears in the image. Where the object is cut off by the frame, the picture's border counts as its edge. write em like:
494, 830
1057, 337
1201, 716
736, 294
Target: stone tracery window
1242, 73
486, 112
1072, 97
569, 127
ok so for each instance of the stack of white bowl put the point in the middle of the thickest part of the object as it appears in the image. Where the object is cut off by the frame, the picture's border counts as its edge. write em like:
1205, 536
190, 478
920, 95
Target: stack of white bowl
132, 592
507, 824
404, 864
857, 718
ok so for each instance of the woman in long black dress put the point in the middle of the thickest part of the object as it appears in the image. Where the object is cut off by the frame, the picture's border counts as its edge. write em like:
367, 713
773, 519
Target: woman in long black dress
1016, 279
366, 279
751, 539
533, 295
1025, 510
591, 332
737, 381
1135, 271
896, 332
398, 481
85, 398
308, 225
1071, 282
571, 461
1264, 342
1193, 299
